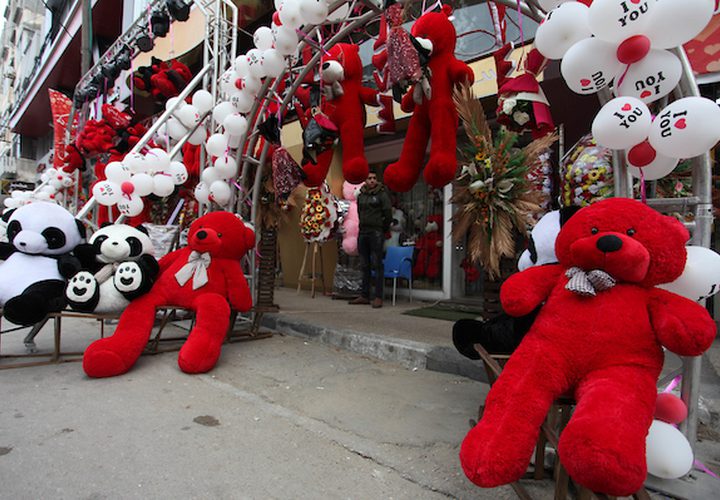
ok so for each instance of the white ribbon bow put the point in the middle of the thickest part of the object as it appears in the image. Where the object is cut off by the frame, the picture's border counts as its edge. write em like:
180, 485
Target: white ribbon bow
588, 283
196, 268
106, 272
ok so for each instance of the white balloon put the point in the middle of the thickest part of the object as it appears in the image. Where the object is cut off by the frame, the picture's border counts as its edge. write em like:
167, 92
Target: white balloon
657, 169
189, 115
117, 172
701, 277
673, 23
203, 101
171, 102
67, 180
686, 128
11, 203
233, 141
617, 20
622, 123
106, 193
235, 124
249, 85
286, 41
157, 160
563, 27
313, 11
222, 110
668, 452
179, 172
42, 196
263, 38
135, 162
289, 13
548, 5
227, 82
163, 185
590, 65
255, 63
242, 66
51, 172
56, 183
131, 207
175, 129
202, 193
651, 78
226, 167
49, 189
220, 193
242, 102
143, 184
274, 62
339, 14
216, 145
198, 137
210, 175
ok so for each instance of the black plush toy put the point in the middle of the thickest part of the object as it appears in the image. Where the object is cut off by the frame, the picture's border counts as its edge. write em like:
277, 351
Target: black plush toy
502, 334
118, 266
37, 260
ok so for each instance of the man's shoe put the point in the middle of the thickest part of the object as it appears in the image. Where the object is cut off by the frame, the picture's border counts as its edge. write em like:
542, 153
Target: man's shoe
377, 303
359, 300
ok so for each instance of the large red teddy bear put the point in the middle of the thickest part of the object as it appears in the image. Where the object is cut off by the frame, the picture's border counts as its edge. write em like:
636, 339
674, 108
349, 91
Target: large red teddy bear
342, 73
434, 116
599, 337
429, 246
206, 277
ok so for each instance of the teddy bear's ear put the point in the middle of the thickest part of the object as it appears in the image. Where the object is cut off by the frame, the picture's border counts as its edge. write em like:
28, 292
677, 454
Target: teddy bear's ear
447, 10
249, 237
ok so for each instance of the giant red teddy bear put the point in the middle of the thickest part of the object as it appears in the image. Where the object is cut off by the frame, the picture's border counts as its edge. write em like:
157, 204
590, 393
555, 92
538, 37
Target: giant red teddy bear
204, 277
342, 74
435, 116
599, 337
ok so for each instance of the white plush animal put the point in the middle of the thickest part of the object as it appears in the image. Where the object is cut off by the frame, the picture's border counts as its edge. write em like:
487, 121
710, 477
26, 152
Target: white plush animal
118, 266
397, 226
37, 260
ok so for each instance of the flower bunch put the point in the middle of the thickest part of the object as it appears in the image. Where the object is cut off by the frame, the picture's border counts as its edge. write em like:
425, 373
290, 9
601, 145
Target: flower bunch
496, 200
516, 114
319, 215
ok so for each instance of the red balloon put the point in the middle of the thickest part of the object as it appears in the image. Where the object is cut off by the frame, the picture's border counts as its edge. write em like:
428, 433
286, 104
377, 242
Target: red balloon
633, 49
276, 18
642, 154
670, 408
127, 188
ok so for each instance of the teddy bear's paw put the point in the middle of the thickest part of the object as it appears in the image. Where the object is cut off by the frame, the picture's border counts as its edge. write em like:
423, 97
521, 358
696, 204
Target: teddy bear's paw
400, 178
128, 277
99, 362
355, 170
82, 288
440, 170
200, 353
485, 463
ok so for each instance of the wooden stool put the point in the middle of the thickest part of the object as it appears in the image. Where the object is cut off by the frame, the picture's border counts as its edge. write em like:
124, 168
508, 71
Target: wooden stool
316, 249
556, 420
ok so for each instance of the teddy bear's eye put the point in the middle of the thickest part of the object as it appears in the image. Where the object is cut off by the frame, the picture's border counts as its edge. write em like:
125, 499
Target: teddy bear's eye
594, 230
219, 235
630, 232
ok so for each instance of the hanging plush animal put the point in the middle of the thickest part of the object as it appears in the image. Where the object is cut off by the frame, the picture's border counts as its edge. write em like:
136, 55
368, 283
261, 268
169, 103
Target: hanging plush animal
434, 116
37, 260
118, 266
599, 337
206, 277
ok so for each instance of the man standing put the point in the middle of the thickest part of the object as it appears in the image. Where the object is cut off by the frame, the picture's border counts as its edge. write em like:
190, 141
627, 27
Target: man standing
375, 214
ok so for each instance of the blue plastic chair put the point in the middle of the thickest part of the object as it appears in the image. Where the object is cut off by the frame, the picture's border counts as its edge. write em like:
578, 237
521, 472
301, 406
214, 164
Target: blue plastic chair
398, 264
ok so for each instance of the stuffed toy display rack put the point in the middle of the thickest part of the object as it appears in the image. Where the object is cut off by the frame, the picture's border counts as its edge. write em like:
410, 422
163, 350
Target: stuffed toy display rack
598, 337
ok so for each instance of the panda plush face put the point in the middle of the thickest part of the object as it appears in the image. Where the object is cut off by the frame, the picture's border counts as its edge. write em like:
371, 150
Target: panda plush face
42, 228
120, 242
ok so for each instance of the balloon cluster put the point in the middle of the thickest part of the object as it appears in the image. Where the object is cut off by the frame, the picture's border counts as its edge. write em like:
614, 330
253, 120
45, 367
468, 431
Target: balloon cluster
138, 175
53, 183
623, 42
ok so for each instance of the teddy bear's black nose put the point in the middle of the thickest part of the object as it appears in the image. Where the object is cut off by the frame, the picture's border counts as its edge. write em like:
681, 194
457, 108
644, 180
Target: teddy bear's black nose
201, 235
609, 243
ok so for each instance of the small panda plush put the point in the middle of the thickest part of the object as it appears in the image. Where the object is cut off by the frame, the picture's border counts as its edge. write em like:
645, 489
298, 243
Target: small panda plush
503, 333
118, 266
37, 260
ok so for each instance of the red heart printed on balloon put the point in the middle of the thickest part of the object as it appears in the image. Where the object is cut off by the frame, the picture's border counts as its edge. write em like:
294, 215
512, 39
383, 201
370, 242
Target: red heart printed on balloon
681, 124
585, 82
627, 107
645, 93
636, 1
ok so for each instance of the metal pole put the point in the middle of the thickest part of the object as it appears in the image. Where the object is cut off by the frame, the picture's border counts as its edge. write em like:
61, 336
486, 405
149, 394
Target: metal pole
86, 37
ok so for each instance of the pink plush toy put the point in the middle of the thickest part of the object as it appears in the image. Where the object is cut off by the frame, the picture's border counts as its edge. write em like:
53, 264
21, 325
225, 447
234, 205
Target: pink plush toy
351, 224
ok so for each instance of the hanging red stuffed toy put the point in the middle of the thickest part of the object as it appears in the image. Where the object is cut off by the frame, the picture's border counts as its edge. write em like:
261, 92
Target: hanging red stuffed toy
435, 117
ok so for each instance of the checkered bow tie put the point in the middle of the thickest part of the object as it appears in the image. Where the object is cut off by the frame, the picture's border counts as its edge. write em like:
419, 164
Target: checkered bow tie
588, 283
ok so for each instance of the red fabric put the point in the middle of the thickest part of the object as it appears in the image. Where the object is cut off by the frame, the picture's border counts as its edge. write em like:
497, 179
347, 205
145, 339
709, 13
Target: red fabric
60, 106
434, 120
347, 112
227, 239
604, 350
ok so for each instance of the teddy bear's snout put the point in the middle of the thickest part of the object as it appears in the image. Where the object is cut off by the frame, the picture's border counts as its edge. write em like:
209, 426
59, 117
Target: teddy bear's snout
609, 243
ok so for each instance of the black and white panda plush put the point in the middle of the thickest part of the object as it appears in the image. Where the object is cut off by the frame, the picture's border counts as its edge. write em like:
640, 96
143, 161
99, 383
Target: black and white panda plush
503, 333
118, 266
37, 260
